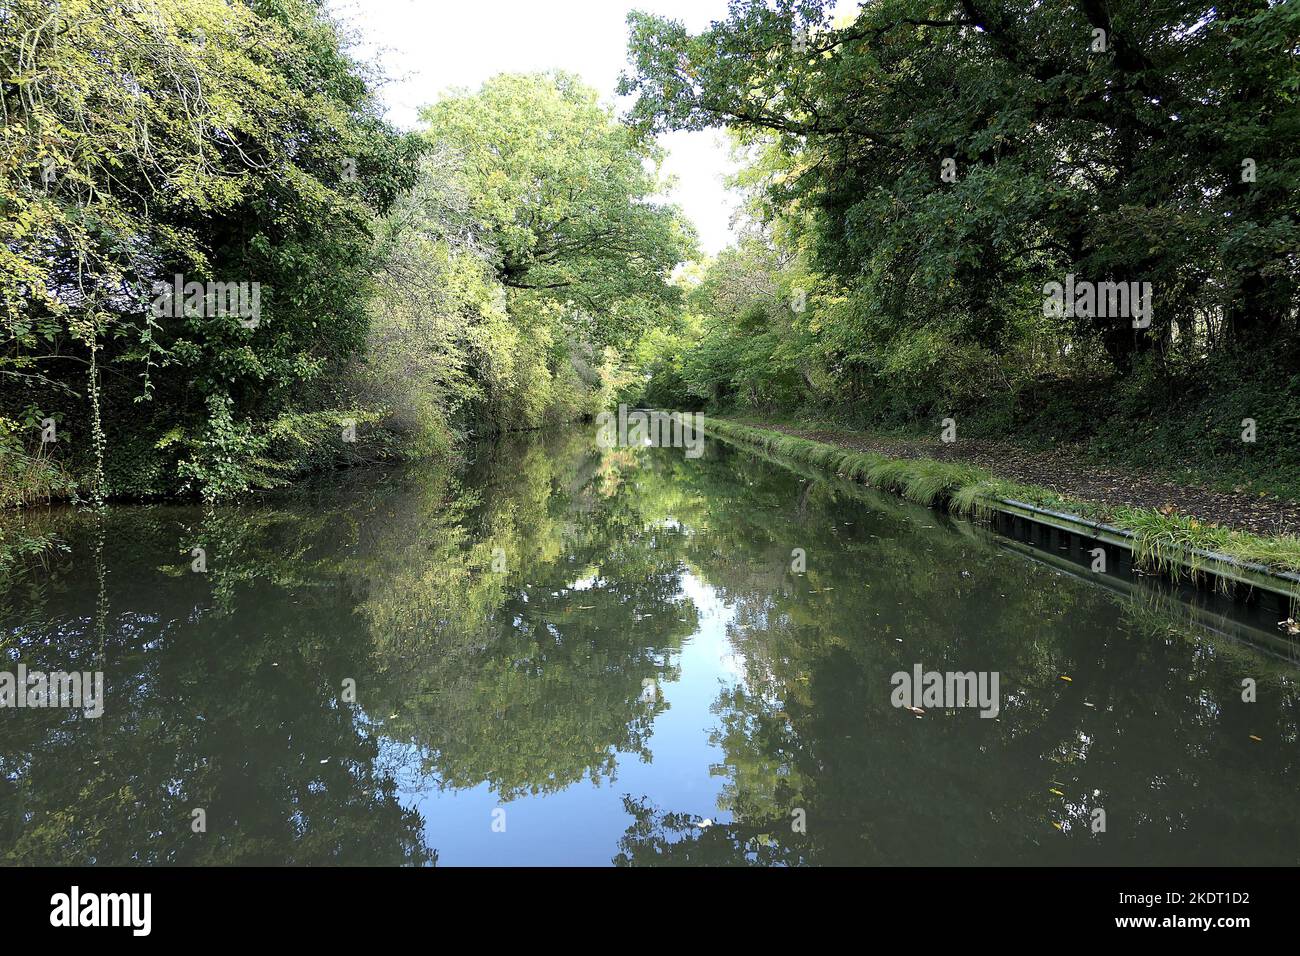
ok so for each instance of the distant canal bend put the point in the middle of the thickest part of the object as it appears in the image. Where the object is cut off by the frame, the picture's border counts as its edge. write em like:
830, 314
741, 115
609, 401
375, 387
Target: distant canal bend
568, 654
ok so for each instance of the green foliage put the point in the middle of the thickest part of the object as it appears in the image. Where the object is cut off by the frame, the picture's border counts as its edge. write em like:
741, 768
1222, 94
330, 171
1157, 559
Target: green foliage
923, 292
529, 244
1064, 161
414, 289
560, 193
194, 138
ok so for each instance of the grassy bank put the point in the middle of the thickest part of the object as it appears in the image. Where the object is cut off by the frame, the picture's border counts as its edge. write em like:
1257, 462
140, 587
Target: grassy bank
1166, 542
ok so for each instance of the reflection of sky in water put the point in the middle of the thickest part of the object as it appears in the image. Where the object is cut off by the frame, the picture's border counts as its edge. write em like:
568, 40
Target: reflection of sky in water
582, 824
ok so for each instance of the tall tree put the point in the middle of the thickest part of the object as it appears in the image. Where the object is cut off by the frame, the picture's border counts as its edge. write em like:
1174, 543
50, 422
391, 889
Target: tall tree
565, 195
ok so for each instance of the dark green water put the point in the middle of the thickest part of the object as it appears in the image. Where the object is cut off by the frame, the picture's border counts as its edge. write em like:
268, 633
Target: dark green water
646, 660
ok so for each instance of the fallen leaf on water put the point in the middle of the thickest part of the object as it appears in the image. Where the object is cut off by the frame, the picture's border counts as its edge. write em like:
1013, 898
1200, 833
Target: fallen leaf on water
1058, 826
1055, 791
1086, 704
1069, 679
1256, 739
916, 710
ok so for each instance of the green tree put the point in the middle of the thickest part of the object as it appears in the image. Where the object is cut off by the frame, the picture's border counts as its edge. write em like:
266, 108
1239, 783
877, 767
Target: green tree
564, 195
948, 159
221, 142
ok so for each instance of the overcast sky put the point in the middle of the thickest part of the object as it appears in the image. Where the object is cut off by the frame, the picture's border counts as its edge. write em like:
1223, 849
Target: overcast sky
427, 46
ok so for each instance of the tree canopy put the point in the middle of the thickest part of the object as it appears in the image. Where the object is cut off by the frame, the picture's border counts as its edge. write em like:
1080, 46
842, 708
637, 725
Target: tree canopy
1113, 140
919, 174
565, 196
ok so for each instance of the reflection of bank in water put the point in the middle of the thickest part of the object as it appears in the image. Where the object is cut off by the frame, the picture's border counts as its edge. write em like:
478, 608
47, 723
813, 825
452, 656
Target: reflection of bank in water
1234, 609
1231, 597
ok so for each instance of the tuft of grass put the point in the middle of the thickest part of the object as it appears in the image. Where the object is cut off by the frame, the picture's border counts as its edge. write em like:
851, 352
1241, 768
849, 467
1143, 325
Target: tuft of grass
27, 480
1169, 540
978, 498
31, 479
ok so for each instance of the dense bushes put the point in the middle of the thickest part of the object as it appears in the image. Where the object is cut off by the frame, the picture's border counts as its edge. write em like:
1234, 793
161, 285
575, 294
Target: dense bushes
221, 268
236, 146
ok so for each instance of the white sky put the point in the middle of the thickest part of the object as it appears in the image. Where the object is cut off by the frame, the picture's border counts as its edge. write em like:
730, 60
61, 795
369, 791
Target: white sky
427, 46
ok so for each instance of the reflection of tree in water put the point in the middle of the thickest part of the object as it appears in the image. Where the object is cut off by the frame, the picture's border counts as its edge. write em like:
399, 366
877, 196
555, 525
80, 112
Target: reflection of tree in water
655, 838
531, 679
218, 697
224, 687
1146, 728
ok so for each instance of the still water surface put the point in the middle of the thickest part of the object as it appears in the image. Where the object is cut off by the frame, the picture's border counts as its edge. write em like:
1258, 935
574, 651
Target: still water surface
573, 655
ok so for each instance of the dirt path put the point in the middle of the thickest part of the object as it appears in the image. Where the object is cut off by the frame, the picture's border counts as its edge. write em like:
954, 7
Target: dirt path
1265, 515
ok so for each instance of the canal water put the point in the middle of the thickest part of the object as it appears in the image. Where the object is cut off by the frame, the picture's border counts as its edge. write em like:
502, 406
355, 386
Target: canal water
564, 654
